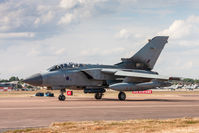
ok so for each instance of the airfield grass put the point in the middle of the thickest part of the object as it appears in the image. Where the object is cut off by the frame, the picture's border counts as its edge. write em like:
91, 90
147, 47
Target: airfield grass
181, 125
109, 93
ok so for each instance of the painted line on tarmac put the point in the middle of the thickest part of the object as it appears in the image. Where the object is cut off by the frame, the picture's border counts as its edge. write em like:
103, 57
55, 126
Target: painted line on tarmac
96, 107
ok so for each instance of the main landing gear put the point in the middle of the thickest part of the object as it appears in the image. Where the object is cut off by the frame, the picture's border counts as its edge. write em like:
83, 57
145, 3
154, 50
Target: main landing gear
62, 97
122, 96
98, 96
97, 91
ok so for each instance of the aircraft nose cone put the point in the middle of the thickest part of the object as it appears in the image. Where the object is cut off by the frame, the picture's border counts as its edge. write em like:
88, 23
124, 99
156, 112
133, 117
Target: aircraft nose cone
35, 80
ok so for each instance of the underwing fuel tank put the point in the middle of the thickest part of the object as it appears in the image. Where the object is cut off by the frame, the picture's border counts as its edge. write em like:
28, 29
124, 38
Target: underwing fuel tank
139, 86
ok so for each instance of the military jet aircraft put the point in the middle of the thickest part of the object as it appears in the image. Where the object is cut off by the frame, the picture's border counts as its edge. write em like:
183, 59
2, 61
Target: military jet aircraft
131, 74
191, 87
174, 87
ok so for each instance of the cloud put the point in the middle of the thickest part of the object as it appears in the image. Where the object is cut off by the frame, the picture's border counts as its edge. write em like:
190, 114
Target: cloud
68, 4
67, 19
17, 35
188, 42
178, 29
76, 10
25, 18
124, 34
101, 52
183, 28
33, 52
187, 65
60, 51
47, 16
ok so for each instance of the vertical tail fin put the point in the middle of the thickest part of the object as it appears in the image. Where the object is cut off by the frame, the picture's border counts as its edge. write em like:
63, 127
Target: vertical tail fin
148, 55
151, 51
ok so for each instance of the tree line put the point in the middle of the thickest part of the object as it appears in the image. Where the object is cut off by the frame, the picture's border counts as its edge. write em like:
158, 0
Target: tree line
13, 78
191, 81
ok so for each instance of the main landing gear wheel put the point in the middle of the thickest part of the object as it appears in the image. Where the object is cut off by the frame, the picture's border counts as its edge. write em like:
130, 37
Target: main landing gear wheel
98, 96
122, 96
62, 97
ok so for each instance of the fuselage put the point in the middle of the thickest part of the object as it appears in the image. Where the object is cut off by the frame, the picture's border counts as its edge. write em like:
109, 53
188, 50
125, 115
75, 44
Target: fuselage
75, 77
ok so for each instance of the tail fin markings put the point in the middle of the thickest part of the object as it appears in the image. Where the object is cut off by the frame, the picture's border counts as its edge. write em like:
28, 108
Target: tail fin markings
147, 56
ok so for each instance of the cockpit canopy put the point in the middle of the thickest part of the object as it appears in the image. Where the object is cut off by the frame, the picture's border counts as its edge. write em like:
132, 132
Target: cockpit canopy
65, 66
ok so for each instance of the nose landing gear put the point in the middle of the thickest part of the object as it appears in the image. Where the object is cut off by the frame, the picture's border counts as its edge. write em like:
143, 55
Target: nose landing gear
98, 96
62, 97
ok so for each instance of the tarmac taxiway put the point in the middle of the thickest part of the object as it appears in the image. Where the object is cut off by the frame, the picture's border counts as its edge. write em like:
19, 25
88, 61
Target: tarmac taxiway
22, 112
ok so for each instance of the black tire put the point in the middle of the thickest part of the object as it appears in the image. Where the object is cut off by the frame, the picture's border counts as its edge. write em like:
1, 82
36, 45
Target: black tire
61, 98
98, 96
122, 96
51, 95
39, 94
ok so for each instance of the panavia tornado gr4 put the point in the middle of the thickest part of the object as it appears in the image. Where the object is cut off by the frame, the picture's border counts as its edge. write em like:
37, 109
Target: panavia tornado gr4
131, 74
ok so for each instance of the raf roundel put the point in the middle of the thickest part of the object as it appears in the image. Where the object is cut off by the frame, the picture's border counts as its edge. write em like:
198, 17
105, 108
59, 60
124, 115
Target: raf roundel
67, 78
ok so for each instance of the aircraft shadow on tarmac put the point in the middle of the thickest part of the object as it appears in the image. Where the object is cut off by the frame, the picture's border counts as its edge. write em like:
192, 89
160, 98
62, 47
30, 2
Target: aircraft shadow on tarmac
140, 100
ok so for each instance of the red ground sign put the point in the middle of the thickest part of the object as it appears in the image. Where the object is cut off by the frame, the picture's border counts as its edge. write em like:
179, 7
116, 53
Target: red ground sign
5, 88
142, 92
69, 93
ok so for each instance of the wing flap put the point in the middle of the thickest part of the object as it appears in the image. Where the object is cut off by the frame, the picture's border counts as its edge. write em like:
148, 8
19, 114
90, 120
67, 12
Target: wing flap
140, 75
137, 75
109, 71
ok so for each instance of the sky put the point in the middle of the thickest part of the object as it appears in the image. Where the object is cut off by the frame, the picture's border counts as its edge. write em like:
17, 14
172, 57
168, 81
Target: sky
34, 35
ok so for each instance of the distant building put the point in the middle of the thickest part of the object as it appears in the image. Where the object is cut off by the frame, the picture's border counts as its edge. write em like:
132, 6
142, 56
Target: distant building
6, 87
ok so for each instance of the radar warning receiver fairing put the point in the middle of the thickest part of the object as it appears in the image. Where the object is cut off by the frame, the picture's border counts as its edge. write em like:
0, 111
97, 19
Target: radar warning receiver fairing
131, 74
